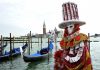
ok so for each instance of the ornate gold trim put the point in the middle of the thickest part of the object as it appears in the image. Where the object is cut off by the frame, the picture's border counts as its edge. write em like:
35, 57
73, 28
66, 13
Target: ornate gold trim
83, 37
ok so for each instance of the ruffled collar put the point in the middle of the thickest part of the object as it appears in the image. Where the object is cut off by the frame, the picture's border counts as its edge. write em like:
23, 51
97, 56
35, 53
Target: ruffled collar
73, 40
72, 35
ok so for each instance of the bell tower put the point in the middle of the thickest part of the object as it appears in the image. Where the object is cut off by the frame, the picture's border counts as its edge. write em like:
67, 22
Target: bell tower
44, 29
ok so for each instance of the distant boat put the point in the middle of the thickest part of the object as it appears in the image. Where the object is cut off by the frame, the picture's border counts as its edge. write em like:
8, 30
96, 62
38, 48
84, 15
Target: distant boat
15, 52
39, 55
95, 41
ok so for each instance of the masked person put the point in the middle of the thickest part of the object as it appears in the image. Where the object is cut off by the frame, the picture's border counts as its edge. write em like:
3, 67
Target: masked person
75, 53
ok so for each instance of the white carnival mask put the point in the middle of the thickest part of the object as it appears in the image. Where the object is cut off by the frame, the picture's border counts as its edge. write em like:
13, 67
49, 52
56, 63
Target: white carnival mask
70, 28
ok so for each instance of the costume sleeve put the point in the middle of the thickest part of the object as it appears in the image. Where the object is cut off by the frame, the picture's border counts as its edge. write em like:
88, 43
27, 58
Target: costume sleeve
57, 59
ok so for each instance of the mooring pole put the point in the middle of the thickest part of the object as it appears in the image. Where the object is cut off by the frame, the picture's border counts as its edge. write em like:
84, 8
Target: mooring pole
41, 42
38, 41
48, 50
1, 46
13, 42
10, 46
23, 40
89, 40
31, 39
55, 41
29, 43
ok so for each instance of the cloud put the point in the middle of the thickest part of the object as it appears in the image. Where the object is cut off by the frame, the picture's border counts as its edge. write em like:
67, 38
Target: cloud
25, 15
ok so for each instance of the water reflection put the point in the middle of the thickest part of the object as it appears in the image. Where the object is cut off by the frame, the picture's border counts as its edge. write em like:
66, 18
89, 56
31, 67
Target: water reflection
34, 65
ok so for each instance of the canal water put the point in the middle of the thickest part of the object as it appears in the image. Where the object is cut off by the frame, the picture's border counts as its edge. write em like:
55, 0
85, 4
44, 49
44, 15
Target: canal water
19, 64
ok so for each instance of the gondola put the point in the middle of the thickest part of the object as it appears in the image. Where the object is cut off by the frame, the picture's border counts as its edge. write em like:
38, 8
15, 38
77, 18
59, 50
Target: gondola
13, 53
39, 55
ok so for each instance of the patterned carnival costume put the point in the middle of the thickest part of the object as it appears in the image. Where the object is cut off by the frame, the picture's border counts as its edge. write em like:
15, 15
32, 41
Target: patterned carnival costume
74, 54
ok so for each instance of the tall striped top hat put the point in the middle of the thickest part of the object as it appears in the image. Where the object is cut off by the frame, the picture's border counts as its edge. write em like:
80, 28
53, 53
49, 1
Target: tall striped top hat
70, 15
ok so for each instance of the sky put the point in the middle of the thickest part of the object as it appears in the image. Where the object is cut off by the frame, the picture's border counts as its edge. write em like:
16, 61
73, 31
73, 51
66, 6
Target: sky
19, 17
